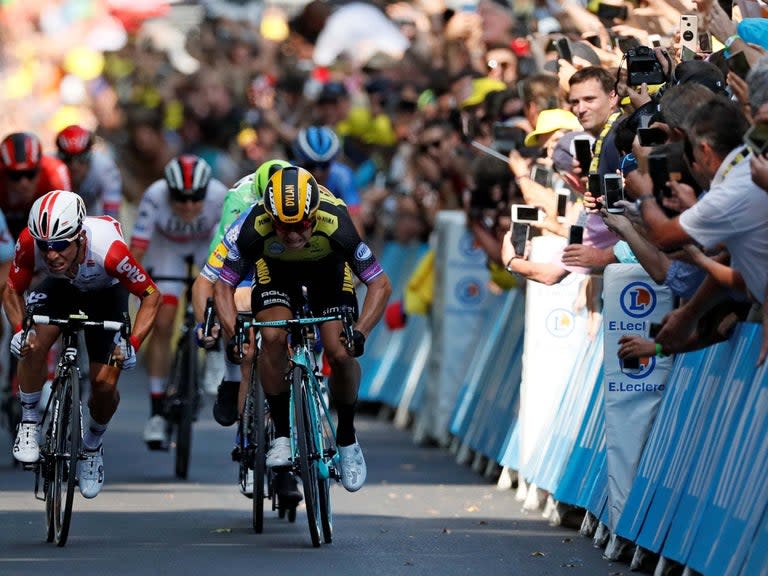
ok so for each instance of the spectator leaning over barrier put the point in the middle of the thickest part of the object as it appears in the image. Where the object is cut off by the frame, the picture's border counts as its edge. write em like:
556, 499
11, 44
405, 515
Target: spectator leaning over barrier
733, 212
593, 101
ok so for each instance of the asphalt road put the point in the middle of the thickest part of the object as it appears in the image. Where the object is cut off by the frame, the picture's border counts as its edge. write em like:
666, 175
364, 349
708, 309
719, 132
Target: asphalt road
419, 513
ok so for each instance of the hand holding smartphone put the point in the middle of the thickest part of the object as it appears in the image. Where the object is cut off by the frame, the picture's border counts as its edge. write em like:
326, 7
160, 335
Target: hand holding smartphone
520, 234
582, 147
738, 64
576, 234
563, 47
525, 213
613, 187
651, 136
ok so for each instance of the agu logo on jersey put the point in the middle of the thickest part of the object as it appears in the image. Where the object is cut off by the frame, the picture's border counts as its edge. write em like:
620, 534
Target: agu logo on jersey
469, 291
560, 322
646, 367
467, 247
637, 300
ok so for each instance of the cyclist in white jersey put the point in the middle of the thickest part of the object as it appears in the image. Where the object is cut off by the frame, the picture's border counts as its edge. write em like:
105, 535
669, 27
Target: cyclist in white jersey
178, 216
95, 176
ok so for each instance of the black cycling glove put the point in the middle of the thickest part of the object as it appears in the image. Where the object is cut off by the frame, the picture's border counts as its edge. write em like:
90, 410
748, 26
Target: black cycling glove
358, 343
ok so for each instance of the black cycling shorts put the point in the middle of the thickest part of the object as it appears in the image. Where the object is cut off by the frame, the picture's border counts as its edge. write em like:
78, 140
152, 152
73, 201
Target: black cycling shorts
57, 298
328, 281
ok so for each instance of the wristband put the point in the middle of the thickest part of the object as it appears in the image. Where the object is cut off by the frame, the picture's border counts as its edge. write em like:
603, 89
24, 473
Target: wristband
134, 342
19, 327
659, 351
729, 42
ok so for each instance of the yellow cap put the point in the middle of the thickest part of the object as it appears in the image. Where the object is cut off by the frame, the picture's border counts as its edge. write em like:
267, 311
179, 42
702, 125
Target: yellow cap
481, 87
551, 121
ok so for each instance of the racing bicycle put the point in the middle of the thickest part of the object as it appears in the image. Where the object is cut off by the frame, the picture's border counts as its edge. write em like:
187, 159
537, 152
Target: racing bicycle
56, 470
313, 435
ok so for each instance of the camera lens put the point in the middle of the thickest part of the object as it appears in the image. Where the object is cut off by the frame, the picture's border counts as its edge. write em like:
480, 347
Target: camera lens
687, 35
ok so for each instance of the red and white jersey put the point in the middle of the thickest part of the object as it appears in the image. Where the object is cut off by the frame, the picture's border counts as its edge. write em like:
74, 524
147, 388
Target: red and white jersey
107, 261
156, 219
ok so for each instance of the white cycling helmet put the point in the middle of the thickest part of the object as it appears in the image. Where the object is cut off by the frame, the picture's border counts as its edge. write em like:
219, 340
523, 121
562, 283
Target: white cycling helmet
58, 215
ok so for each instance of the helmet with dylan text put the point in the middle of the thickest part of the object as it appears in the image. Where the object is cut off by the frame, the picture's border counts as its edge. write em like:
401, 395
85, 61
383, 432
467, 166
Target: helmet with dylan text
292, 196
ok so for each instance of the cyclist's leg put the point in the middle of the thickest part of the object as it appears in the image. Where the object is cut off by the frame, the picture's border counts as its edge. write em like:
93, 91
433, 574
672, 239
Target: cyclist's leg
271, 300
344, 382
49, 297
108, 304
234, 385
165, 259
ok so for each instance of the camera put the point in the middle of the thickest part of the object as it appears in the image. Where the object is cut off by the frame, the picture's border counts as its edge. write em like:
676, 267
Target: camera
507, 138
644, 67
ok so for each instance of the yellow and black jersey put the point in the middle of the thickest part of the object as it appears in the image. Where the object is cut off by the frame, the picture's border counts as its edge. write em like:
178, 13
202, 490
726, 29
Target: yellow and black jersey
333, 235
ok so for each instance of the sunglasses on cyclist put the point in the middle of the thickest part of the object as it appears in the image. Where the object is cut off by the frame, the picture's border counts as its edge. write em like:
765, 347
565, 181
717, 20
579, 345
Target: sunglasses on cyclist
318, 166
182, 198
298, 227
55, 245
83, 158
19, 175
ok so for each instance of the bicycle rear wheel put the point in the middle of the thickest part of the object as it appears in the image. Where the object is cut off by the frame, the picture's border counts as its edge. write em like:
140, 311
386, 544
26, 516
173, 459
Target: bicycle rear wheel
307, 446
187, 389
66, 443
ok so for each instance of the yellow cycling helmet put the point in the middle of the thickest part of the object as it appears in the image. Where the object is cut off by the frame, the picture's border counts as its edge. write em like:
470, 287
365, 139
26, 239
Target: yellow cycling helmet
292, 196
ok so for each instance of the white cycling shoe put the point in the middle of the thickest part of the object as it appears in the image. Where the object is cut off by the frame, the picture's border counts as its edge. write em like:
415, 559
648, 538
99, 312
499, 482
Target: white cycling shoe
26, 447
90, 472
353, 469
155, 432
279, 452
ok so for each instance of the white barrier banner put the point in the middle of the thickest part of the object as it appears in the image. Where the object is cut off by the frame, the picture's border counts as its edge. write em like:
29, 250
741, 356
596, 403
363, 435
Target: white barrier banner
554, 334
632, 302
460, 311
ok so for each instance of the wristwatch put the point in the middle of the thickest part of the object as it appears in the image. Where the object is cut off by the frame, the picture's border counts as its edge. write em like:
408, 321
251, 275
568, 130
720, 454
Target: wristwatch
641, 199
508, 267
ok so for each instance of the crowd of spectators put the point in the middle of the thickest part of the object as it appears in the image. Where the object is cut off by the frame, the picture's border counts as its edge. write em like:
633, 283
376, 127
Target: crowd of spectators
444, 105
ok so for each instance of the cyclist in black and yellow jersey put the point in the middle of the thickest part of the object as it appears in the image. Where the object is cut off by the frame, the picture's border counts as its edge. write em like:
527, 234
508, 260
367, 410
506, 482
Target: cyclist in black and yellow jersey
302, 235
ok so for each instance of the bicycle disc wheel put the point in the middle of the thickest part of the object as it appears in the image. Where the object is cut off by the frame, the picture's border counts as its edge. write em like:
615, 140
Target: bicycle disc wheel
307, 452
187, 389
67, 446
258, 449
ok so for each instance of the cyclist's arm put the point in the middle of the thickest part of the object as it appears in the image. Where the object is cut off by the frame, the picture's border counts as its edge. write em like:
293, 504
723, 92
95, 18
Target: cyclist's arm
376, 299
19, 279
112, 187
224, 299
120, 263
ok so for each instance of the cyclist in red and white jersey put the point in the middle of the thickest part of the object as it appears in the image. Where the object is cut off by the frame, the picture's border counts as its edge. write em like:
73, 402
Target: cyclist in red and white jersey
95, 176
177, 216
86, 266
25, 175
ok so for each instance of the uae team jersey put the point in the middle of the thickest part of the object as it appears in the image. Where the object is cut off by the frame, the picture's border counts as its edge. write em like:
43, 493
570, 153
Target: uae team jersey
107, 261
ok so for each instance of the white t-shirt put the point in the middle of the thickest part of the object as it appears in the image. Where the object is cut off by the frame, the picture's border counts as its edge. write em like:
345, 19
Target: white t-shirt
734, 212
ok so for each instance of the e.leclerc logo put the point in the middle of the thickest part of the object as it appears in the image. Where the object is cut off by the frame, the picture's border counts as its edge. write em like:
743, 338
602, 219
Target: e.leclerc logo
467, 246
646, 367
637, 300
469, 291
560, 322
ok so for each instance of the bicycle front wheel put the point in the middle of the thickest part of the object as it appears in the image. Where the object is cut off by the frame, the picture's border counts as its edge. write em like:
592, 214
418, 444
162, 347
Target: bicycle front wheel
66, 444
253, 453
307, 445
187, 390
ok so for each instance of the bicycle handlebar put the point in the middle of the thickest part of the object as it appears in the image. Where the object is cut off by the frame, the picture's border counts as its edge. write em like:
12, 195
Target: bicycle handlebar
77, 320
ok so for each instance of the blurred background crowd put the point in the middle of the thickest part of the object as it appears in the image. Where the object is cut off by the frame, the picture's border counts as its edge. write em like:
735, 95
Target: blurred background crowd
438, 104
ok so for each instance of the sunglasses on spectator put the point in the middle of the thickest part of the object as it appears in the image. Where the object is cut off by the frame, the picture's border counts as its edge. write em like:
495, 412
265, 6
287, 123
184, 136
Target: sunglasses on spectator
431, 144
297, 227
55, 245
18, 175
